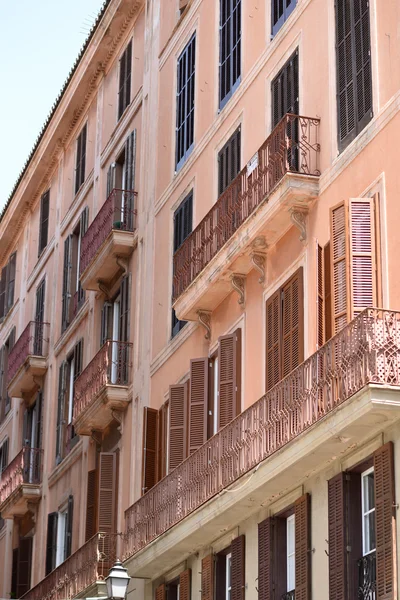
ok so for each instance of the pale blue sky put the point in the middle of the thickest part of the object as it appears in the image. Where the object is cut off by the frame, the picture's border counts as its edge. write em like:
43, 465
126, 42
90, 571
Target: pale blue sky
39, 42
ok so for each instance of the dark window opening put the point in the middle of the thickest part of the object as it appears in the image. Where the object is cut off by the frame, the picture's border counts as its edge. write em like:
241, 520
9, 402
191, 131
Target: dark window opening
281, 9
44, 221
80, 164
185, 103
125, 78
183, 219
230, 49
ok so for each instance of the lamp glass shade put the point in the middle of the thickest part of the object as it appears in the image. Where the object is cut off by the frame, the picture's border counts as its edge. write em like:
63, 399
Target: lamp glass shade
117, 582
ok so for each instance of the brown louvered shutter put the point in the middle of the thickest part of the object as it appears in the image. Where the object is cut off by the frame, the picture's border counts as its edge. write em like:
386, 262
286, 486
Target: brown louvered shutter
160, 592
238, 568
162, 437
273, 337
124, 321
265, 537
51, 545
292, 323
320, 297
198, 403
229, 161
91, 502
229, 377
60, 411
178, 424
11, 271
184, 585
302, 522
149, 468
68, 527
44, 221
207, 578
337, 538
130, 178
339, 268
24, 566
110, 179
66, 290
362, 262
3, 285
385, 523
106, 323
327, 292
107, 491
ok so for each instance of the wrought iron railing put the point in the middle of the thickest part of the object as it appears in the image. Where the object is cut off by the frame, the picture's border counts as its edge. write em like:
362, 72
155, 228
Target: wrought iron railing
289, 595
25, 468
90, 563
117, 213
34, 341
111, 366
367, 577
292, 147
366, 351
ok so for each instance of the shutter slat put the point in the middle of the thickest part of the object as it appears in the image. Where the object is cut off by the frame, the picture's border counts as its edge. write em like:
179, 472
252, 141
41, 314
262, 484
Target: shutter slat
149, 471
238, 568
337, 538
229, 377
302, 508
292, 324
207, 578
184, 585
339, 267
160, 592
107, 491
198, 403
385, 522
178, 424
273, 319
265, 538
91, 505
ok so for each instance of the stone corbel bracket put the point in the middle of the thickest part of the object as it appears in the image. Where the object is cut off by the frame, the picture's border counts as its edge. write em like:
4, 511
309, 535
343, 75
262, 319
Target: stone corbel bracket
122, 263
96, 437
238, 284
117, 415
103, 288
298, 217
204, 317
258, 261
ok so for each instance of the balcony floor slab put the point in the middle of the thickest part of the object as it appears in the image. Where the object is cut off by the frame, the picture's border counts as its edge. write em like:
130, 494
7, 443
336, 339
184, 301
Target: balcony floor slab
349, 426
27, 379
17, 504
270, 220
99, 414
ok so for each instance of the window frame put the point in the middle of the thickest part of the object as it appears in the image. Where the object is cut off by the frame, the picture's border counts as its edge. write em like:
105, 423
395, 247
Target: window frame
289, 554
365, 513
234, 45
228, 575
287, 11
187, 119
125, 86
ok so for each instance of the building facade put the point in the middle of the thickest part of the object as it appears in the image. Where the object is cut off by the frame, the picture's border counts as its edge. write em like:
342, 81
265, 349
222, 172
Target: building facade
199, 339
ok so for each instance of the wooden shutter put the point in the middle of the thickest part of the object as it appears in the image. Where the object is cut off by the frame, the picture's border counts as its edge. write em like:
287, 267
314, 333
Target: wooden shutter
91, 505
82, 168
110, 179
2, 383
149, 469
12, 265
162, 437
229, 161
292, 323
160, 592
207, 578
273, 338
3, 285
14, 573
198, 403
40, 299
184, 585
106, 323
265, 537
229, 377
327, 293
107, 491
44, 221
124, 309
337, 538
302, 511
60, 410
320, 297
51, 546
24, 566
183, 218
130, 177
68, 527
339, 268
238, 568
178, 424
78, 358
385, 523
285, 90
66, 291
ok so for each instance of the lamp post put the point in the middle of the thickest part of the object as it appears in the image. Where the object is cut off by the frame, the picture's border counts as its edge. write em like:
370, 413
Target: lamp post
117, 582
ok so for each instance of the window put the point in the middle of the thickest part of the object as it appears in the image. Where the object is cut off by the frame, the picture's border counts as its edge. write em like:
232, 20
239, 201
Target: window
32, 440
121, 180
125, 77
368, 511
102, 496
69, 371
5, 400
80, 163
21, 568
3, 456
229, 162
229, 579
59, 536
183, 218
353, 68
284, 335
230, 49
44, 221
290, 553
228, 583
7, 286
185, 102
73, 296
281, 9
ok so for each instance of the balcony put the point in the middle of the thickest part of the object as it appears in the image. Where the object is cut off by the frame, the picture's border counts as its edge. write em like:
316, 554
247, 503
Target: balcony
27, 361
341, 396
102, 389
83, 571
110, 239
274, 191
20, 483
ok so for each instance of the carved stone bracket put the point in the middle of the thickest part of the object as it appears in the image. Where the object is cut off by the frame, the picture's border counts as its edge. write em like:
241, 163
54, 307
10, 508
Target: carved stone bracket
205, 321
258, 262
96, 437
238, 283
103, 288
33, 508
298, 217
117, 415
122, 263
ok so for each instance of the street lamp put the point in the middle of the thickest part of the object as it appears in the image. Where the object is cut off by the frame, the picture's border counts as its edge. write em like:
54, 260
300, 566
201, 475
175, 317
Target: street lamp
117, 582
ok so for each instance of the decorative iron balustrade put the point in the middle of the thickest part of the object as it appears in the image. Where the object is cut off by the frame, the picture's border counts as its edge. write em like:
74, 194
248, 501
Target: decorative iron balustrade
366, 351
25, 468
292, 147
34, 341
289, 595
110, 366
90, 563
367, 577
117, 213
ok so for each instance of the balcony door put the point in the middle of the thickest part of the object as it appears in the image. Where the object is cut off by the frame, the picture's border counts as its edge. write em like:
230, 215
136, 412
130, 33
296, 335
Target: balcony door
39, 319
116, 338
32, 440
